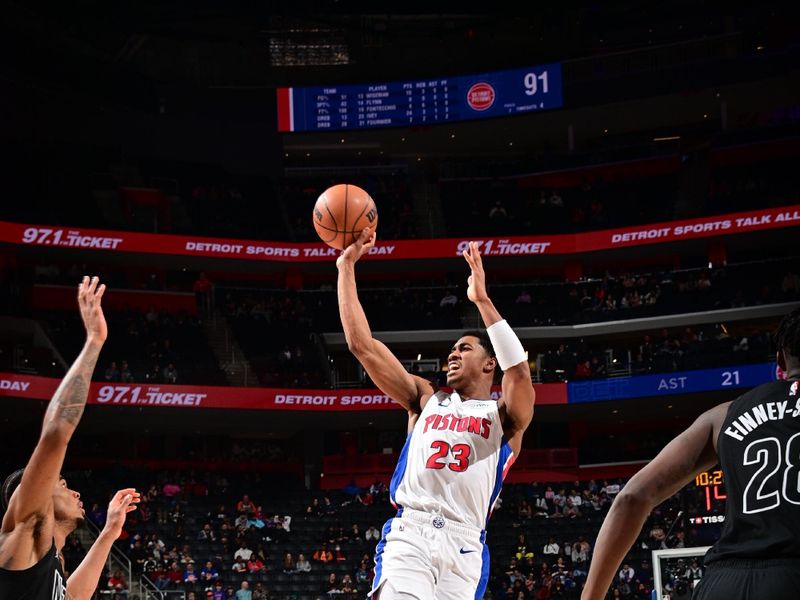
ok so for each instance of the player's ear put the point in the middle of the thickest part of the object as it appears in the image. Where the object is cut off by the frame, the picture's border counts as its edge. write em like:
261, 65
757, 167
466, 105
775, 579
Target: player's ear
782, 360
490, 365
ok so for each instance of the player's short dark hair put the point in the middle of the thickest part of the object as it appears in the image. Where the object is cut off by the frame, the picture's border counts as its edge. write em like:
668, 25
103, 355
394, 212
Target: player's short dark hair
483, 339
9, 485
787, 338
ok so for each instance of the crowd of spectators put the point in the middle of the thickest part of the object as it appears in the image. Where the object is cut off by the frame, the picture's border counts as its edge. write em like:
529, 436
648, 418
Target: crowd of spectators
203, 536
520, 206
279, 330
667, 350
146, 347
200, 199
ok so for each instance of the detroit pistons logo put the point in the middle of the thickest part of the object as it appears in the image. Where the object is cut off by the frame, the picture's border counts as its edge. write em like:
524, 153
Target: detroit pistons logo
481, 96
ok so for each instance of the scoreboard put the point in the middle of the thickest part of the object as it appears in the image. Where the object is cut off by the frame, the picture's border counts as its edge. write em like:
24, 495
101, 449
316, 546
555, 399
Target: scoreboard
420, 102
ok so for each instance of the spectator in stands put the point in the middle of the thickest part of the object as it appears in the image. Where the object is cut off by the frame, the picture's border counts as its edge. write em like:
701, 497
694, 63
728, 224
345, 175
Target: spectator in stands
363, 573
209, 572
202, 289
125, 374
580, 559
498, 217
255, 565
112, 373
302, 565
695, 571
170, 374
348, 588
551, 547
657, 536
245, 505
154, 375
523, 552
331, 586
570, 511
524, 510
218, 592
626, 573
190, 575
97, 515
239, 566
338, 554
150, 565
116, 582
372, 534
156, 546
315, 508
186, 555
328, 506
289, 564
379, 491
244, 592
583, 370
207, 534
243, 553
448, 300
137, 554
175, 574
598, 368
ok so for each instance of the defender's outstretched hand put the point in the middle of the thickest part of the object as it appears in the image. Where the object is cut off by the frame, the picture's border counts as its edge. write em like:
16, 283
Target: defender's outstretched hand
89, 297
359, 248
123, 502
476, 290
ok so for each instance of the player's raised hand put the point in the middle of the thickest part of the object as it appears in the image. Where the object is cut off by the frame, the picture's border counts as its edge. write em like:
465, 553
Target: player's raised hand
476, 290
357, 249
123, 502
89, 296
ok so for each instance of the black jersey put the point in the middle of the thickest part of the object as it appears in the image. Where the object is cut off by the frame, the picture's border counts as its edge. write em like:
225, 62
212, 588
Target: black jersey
42, 581
759, 451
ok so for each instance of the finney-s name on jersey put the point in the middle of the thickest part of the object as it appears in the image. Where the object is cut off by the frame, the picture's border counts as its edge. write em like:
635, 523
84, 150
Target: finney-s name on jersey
749, 420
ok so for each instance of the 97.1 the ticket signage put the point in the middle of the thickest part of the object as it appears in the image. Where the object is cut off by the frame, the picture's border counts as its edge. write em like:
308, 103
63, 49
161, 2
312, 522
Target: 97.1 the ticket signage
420, 102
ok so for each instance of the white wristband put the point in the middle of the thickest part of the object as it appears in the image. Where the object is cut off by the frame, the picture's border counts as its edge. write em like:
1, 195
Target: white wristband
507, 347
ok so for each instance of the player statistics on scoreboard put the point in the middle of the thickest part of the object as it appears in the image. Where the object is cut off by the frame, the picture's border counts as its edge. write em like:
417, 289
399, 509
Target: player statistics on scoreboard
420, 102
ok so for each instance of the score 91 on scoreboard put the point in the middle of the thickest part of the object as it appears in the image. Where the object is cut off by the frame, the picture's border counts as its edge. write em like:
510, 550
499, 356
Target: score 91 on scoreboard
430, 101
712, 485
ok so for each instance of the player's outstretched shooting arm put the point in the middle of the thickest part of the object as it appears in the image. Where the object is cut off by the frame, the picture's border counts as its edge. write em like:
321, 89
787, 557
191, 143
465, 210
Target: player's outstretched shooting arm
382, 366
32, 501
692, 452
518, 393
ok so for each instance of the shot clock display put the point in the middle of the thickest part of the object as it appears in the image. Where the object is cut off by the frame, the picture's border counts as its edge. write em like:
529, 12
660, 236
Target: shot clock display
713, 486
430, 101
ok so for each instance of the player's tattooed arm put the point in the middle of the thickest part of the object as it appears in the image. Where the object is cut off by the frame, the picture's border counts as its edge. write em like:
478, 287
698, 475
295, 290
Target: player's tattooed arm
66, 408
34, 495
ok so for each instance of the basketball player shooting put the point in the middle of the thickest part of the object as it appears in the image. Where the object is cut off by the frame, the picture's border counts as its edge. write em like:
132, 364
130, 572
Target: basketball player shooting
459, 448
756, 441
40, 510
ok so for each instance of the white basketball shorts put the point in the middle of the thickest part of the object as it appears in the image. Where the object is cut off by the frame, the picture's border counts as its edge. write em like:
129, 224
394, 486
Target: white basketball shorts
426, 557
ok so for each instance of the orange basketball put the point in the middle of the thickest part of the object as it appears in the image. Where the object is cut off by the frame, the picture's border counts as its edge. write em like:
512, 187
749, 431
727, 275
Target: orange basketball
341, 214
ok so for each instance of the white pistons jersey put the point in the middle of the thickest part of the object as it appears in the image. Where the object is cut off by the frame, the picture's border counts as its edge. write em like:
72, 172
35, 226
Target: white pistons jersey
454, 460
